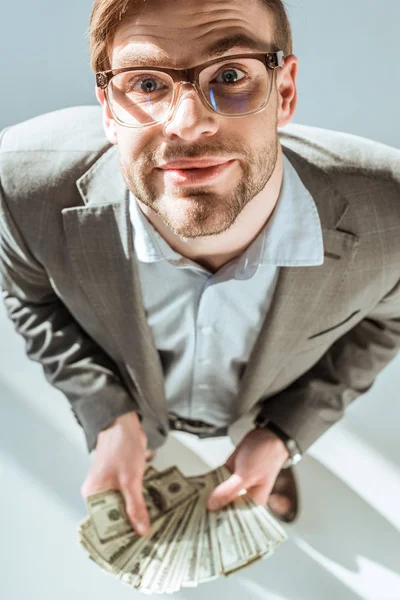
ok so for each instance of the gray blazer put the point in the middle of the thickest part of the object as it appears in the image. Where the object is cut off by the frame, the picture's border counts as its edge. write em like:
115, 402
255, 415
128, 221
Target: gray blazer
70, 282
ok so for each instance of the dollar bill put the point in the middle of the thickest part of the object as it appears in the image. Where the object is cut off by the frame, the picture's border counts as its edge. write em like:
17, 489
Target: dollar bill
190, 554
169, 573
150, 472
132, 565
108, 514
167, 490
229, 542
162, 492
187, 543
247, 543
191, 563
209, 566
164, 547
269, 526
105, 554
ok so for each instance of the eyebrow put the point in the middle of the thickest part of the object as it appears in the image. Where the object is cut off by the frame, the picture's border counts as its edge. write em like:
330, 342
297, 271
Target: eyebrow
216, 49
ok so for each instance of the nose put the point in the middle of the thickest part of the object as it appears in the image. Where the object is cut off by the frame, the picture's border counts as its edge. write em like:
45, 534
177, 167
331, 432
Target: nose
190, 119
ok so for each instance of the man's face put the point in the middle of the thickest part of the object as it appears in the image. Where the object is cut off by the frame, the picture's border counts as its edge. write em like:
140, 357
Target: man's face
180, 32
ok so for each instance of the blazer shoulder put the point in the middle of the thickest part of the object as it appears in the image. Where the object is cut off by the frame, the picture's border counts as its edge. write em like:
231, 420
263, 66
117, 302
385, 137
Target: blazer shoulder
73, 129
340, 154
51, 149
363, 173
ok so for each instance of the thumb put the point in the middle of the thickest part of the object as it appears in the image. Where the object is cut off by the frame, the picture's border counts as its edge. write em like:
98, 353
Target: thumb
226, 492
135, 506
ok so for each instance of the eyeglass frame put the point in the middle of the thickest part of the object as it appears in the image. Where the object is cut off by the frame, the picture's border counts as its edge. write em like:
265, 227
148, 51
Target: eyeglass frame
271, 60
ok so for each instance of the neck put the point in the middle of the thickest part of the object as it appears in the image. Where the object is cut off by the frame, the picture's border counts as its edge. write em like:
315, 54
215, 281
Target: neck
213, 252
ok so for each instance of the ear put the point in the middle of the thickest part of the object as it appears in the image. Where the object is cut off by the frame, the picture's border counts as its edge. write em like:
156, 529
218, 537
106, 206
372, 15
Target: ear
110, 126
286, 88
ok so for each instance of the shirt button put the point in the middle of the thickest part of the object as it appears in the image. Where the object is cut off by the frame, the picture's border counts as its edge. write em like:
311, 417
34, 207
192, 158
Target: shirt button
204, 386
207, 330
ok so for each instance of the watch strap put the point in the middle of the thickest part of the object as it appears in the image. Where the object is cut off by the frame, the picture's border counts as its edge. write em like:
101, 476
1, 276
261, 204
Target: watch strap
291, 446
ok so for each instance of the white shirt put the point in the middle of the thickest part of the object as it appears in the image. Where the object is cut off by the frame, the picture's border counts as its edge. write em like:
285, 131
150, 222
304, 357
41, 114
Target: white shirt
205, 325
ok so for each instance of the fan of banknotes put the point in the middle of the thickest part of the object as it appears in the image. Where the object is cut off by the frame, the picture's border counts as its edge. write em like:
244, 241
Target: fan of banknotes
187, 544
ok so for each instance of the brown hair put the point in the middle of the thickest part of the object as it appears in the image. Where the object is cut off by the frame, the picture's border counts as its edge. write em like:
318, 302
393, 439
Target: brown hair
107, 14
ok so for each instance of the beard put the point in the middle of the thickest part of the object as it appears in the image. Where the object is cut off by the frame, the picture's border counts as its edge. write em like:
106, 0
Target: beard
207, 212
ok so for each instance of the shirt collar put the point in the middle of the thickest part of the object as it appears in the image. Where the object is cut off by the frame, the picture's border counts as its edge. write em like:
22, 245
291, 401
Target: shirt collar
292, 236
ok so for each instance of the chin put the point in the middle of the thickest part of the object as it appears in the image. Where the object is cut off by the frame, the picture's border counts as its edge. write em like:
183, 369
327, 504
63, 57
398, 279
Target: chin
191, 229
193, 216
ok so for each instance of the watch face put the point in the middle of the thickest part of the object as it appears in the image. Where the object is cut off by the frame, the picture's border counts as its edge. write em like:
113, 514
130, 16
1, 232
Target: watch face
293, 460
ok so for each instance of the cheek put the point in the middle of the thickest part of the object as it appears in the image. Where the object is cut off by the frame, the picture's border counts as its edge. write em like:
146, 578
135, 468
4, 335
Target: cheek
255, 135
257, 130
134, 145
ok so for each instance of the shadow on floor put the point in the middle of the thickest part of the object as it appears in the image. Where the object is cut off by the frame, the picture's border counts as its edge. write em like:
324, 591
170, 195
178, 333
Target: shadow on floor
340, 525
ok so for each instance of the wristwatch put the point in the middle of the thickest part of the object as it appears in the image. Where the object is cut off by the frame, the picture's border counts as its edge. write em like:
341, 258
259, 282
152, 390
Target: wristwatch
293, 449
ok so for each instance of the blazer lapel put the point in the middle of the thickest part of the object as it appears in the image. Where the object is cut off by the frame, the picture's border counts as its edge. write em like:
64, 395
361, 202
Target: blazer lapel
100, 244
304, 296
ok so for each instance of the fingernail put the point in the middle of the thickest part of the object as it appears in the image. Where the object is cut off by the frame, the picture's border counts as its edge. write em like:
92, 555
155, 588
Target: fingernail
141, 528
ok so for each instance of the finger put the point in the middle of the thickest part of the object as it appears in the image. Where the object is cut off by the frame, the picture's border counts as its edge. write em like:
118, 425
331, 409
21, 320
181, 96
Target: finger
135, 505
230, 463
91, 487
260, 493
150, 454
279, 504
226, 492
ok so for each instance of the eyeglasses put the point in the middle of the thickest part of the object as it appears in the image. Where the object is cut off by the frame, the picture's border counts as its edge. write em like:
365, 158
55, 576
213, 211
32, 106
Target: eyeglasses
233, 86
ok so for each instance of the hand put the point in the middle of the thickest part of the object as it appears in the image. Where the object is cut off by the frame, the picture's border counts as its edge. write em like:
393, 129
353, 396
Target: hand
255, 465
119, 464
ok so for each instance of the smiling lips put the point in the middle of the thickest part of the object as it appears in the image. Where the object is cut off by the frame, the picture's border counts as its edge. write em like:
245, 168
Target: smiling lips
196, 170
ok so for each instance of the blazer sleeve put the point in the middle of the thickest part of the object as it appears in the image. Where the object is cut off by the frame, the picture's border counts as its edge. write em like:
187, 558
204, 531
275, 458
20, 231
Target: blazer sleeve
318, 399
72, 362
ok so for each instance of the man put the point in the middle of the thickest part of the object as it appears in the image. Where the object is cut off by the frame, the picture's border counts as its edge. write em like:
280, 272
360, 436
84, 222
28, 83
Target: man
188, 270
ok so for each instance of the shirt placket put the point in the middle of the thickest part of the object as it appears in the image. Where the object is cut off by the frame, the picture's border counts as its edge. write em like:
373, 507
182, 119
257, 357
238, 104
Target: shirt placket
206, 348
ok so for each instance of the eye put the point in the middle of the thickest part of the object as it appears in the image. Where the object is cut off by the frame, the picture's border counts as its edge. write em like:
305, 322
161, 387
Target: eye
146, 85
231, 75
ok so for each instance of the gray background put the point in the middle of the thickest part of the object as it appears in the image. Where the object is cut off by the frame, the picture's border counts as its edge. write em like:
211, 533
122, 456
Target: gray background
348, 51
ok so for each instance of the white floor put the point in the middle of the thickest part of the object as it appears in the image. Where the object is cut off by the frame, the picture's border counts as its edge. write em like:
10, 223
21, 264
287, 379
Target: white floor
344, 546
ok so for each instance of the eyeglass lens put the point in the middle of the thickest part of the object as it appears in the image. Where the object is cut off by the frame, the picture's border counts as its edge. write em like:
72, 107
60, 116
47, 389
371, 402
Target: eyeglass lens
230, 87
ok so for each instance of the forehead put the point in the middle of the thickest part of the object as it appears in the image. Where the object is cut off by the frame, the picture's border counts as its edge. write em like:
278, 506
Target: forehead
181, 34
